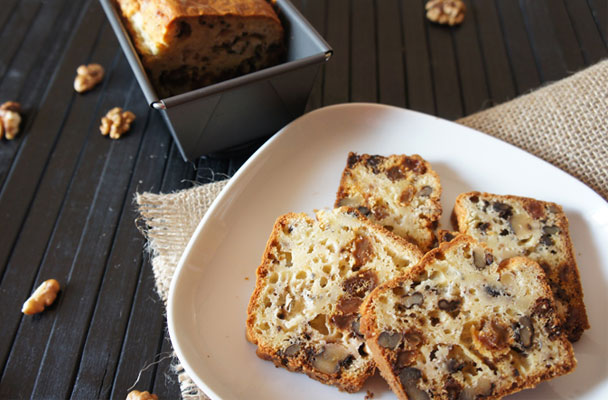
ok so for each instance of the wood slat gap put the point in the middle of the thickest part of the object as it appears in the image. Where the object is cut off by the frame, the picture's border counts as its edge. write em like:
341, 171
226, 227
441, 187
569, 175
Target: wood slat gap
125, 203
14, 167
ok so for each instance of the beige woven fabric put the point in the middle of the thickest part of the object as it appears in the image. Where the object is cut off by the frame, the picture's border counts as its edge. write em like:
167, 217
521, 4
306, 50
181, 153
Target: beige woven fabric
565, 123
168, 221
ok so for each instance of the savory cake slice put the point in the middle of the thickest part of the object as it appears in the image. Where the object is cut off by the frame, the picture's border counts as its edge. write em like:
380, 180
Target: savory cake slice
186, 45
520, 226
398, 192
460, 326
304, 312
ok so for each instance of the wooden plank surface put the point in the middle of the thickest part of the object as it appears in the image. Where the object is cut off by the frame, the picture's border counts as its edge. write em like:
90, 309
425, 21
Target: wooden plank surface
521, 56
364, 70
587, 32
315, 11
336, 87
543, 36
123, 268
471, 67
418, 72
66, 192
498, 71
444, 69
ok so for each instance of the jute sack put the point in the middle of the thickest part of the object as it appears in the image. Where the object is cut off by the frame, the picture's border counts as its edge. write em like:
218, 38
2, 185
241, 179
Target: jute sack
565, 123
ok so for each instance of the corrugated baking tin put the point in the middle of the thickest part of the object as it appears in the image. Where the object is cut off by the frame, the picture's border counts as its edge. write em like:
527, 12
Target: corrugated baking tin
240, 110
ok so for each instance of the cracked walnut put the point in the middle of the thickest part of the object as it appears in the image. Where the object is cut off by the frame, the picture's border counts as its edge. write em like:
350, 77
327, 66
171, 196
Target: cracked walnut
87, 76
445, 12
116, 122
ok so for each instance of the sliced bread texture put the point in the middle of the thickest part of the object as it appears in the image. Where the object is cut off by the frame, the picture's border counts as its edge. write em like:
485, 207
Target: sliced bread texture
185, 45
314, 275
459, 325
521, 226
401, 193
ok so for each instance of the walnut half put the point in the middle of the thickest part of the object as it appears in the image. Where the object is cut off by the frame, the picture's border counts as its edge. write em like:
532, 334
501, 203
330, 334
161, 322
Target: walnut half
137, 395
43, 297
445, 12
116, 122
87, 76
10, 119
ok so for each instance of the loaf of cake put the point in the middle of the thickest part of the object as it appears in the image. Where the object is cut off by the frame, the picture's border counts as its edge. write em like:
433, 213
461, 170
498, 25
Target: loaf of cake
520, 226
460, 326
401, 193
188, 44
314, 275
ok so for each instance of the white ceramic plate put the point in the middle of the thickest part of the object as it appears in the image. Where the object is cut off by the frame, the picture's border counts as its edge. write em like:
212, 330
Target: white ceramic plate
299, 170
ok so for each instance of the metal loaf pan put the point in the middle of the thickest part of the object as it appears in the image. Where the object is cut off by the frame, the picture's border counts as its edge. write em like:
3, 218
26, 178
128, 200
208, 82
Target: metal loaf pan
237, 111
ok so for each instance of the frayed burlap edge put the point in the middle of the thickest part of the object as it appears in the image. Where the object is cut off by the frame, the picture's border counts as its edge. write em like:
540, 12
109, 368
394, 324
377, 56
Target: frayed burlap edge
188, 388
565, 123
168, 221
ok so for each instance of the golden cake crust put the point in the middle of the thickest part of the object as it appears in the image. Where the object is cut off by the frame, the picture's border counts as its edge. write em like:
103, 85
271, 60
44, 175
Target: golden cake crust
186, 44
314, 274
484, 343
162, 14
400, 192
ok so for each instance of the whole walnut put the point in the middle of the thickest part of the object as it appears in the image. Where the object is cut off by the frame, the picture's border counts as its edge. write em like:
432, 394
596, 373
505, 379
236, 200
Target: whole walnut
116, 122
87, 76
446, 12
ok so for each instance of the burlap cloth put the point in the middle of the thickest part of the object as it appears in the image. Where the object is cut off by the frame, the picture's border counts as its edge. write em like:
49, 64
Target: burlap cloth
565, 123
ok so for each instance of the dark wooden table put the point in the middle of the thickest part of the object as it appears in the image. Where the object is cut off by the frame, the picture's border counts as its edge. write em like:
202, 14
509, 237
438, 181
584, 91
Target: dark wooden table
66, 192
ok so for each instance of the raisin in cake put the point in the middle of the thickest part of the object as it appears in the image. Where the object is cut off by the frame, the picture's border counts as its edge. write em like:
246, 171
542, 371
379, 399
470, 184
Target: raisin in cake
460, 326
399, 192
444, 235
187, 44
514, 226
304, 312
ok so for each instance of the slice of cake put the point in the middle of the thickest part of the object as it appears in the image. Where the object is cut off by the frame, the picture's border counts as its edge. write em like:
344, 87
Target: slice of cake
460, 326
398, 192
520, 226
314, 275
185, 45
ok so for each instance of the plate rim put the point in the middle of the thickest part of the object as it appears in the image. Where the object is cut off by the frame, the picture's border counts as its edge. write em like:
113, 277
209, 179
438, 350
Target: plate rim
236, 178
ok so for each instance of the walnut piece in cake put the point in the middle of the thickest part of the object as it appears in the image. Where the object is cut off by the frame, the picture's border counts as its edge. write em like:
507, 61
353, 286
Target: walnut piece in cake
521, 226
304, 312
477, 330
401, 193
